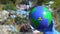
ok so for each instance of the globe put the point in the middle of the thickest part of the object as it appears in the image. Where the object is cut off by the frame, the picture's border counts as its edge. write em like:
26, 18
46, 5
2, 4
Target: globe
40, 17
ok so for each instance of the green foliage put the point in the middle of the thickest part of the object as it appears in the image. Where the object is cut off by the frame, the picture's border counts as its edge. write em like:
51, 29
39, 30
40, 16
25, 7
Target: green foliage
9, 6
40, 2
56, 4
20, 20
3, 1
45, 1
7, 1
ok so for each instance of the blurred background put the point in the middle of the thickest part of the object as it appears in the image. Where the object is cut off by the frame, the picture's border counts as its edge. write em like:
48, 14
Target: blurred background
14, 14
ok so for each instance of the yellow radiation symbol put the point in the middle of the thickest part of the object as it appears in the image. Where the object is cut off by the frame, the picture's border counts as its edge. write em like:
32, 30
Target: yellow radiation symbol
39, 18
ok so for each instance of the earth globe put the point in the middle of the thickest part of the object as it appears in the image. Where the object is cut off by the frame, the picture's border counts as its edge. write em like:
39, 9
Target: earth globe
40, 17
